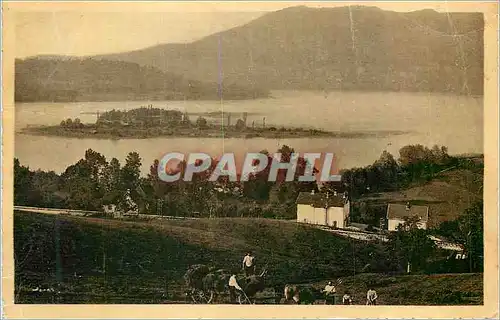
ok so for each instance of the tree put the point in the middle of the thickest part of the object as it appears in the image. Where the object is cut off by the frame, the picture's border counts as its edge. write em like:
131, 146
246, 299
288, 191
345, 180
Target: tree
240, 125
419, 161
97, 163
413, 154
386, 169
258, 186
411, 246
81, 189
112, 183
201, 123
77, 123
22, 183
472, 233
130, 175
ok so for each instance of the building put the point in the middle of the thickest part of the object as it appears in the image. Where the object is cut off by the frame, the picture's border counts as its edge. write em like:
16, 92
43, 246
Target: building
397, 213
111, 210
323, 209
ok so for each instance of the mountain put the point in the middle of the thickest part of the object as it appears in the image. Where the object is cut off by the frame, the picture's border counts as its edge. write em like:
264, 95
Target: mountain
348, 48
87, 79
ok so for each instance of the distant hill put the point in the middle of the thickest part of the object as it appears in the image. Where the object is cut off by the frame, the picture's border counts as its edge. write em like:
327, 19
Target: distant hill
361, 48
447, 195
74, 79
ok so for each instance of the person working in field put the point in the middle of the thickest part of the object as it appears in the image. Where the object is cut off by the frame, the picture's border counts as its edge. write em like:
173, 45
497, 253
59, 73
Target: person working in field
233, 286
346, 299
329, 292
249, 264
371, 297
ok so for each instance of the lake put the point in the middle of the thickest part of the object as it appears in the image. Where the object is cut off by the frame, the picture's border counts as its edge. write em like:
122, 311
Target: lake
453, 121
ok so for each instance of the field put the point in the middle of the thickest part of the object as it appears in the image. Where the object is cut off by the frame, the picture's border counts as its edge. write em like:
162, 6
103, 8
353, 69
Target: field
62, 259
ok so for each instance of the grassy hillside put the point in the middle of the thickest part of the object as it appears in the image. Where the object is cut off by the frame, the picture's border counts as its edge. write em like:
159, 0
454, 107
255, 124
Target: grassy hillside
347, 48
142, 259
448, 195
110, 261
75, 79
442, 289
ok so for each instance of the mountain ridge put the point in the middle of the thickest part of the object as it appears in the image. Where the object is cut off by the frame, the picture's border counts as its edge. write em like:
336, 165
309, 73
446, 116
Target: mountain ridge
369, 49
86, 79
343, 48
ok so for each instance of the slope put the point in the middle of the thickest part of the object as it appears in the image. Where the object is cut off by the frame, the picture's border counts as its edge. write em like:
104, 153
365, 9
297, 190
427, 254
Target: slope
131, 260
110, 261
348, 48
447, 195
73, 79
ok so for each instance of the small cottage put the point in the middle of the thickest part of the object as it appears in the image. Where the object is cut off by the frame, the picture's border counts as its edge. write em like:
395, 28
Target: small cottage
112, 210
397, 213
323, 209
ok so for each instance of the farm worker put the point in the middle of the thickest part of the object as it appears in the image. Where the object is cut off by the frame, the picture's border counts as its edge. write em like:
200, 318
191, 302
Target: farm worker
330, 293
371, 297
233, 286
346, 299
248, 264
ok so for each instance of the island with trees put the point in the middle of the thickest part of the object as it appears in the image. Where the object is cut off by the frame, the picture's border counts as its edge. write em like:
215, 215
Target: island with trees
150, 122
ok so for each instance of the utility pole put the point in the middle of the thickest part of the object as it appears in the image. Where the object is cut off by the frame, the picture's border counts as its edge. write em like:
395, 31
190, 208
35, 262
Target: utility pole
159, 207
326, 208
353, 258
470, 229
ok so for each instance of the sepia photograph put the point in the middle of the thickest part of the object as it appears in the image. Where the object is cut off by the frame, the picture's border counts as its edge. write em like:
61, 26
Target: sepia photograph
329, 154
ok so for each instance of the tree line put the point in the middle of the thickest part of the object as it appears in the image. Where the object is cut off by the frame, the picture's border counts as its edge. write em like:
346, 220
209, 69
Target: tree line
93, 182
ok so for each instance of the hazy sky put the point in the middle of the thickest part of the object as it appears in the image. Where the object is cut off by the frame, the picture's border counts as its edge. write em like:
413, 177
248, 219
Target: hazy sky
95, 28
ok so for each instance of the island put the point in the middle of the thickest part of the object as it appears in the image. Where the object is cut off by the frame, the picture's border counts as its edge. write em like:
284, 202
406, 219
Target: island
149, 122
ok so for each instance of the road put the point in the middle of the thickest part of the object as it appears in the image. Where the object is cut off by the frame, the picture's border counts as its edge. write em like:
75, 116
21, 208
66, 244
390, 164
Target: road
85, 213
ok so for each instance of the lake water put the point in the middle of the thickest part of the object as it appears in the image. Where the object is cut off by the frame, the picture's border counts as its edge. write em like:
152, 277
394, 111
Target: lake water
453, 121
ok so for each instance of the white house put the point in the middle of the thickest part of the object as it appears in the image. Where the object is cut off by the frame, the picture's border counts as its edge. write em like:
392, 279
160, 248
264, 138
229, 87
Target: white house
397, 213
112, 210
323, 209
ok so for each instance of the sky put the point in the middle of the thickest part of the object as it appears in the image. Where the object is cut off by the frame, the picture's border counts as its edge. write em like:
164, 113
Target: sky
79, 29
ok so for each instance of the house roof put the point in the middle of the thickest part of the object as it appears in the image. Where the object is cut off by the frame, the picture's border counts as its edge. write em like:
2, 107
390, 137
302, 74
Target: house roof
400, 211
319, 200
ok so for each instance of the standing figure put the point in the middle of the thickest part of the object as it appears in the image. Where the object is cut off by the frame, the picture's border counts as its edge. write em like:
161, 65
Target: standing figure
329, 292
248, 264
233, 286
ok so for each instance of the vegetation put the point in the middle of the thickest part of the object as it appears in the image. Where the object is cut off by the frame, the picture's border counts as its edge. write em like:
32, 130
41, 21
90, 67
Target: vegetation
107, 260
88, 79
93, 182
416, 163
90, 260
441, 289
412, 244
468, 230
148, 122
